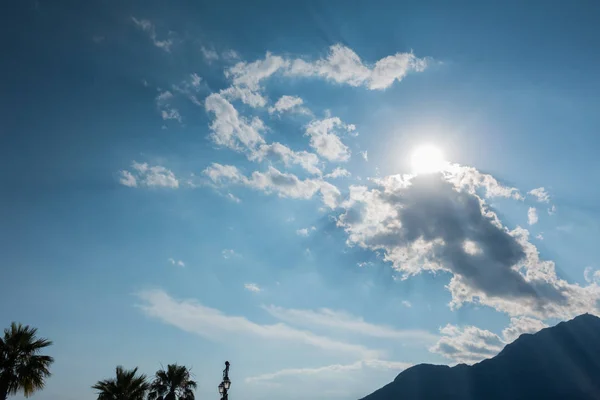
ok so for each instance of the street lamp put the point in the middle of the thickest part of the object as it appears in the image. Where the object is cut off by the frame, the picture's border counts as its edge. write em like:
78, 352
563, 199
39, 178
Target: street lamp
226, 383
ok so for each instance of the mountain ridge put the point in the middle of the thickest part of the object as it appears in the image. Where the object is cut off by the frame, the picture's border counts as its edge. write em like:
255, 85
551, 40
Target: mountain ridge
559, 362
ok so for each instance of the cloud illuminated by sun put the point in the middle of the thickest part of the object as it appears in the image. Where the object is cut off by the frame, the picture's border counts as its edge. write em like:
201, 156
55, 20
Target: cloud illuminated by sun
427, 159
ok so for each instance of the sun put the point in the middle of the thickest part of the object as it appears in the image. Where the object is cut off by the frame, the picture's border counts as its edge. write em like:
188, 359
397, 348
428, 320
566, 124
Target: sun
427, 159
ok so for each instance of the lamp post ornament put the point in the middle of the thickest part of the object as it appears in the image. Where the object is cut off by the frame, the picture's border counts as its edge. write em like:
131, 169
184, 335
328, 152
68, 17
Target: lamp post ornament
226, 383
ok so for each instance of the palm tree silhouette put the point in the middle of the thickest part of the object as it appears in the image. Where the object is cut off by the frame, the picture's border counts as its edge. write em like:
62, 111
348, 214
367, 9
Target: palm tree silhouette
22, 368
173, 383
126, 385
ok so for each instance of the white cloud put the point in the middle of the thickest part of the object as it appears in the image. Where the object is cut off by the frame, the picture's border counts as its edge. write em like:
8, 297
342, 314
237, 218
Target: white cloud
364, 264
330, 382
288, 103
343, 65
406, 303
308, 161
467, 345
345, 322
233, 198
167, 112
230, 55
539, 236
305, 231
471, 344
324, 140
251, 74
365, 155
521, 325
209, 55
149, 176
470, 179
552, 210
229, 253
252, 287
231, 130
212, 324
179, 263
421, 223
148, 27
338, 173
591, 275
171, 113
324, 371
532, 216
164, 96
540, 194
245, 95
285, 185
127, 179
195, 80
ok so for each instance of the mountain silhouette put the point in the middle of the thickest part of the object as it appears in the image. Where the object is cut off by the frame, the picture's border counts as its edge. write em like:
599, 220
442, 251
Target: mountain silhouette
561, 362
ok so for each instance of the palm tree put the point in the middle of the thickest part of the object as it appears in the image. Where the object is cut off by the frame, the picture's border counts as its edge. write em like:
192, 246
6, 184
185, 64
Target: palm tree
174, 383
21, 365
125, 386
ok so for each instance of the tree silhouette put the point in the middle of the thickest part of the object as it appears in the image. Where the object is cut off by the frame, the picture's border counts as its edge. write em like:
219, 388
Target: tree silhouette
173, 383
126, 385
22, 368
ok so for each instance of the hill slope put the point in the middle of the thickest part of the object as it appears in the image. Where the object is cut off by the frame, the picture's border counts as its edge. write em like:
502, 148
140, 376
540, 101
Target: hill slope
561, 362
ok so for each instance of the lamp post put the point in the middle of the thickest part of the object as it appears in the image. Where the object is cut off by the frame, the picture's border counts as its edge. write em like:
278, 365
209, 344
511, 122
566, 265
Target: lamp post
226, 383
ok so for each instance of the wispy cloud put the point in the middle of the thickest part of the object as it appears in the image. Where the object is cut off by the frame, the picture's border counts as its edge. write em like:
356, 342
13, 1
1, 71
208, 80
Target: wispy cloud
209, 55
148, 27
193, 317
179, 263
163, 104
305, 231
233, 198
329, 369
540, 195
252, 287
229, 253
342, 321
273, 180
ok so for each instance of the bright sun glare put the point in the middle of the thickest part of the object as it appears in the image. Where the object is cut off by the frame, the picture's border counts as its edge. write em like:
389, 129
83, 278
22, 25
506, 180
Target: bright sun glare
427, 159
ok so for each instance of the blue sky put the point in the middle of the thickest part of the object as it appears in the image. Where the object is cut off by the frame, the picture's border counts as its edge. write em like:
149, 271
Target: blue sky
196, 182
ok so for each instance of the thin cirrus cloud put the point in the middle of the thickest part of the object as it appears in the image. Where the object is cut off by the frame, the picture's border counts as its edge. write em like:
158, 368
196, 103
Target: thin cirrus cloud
305, 232
148, 27
326, 372
179, 263
252, 287
348, 323
193, 317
